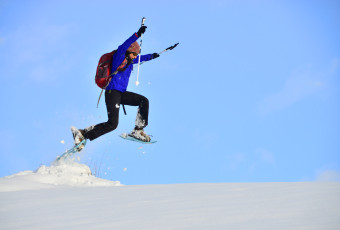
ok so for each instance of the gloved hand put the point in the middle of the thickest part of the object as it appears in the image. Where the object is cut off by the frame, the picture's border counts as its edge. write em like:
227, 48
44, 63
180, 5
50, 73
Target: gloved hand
155, 55
141, 30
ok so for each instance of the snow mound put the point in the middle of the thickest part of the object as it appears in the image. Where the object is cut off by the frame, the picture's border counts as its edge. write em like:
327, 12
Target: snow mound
62, 174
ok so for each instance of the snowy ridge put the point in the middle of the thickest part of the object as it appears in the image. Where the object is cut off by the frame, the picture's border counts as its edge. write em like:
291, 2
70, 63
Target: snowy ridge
228, 206
66, 196
61, 174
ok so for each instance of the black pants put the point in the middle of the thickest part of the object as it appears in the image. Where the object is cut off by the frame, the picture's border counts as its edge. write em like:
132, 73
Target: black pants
113, 100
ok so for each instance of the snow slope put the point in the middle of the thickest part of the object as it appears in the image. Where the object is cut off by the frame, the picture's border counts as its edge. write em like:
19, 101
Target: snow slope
66, 197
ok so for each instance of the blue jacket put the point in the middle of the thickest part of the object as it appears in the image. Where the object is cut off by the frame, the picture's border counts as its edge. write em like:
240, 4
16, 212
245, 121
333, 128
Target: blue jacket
120, 81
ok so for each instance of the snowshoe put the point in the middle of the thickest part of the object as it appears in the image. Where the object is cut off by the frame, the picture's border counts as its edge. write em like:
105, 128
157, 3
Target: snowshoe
126, 136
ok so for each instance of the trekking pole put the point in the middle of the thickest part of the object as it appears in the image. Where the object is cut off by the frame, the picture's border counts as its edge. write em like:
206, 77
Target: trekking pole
169, 48
140, 53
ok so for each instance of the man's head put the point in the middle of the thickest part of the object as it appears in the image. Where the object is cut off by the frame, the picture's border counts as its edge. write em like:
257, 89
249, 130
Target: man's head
133, 51
131, 55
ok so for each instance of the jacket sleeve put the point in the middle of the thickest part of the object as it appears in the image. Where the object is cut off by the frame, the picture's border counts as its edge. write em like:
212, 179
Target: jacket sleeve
119, 56
146, 57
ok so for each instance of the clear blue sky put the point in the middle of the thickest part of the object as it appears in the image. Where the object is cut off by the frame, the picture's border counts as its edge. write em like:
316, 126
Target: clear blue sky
251, 94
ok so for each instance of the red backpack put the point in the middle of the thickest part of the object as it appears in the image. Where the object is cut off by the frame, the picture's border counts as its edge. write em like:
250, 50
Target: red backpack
103, 75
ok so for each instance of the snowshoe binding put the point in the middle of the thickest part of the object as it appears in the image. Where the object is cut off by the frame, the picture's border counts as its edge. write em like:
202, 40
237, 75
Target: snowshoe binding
140, 135
78, 136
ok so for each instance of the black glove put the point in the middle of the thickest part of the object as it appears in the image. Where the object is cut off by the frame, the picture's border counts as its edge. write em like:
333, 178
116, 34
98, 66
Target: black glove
141, 30
155, 55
